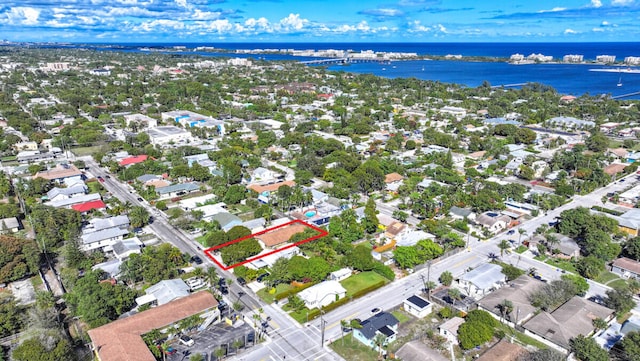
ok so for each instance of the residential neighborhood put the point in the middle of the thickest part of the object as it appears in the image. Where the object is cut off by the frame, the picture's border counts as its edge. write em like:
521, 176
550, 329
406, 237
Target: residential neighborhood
173, 208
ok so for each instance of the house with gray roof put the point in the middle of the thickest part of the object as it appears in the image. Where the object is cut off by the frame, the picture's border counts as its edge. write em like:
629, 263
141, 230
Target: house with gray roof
56, 193
68, 202
99, 224
226, 220
382, 323
461, 213
9, 225
176, 190
575, 317
100, 240
123, 249
482, 279
163, 292
518, 292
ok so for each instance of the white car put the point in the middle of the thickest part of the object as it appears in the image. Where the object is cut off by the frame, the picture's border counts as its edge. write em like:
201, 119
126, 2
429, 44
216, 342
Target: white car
186, 340
194, 283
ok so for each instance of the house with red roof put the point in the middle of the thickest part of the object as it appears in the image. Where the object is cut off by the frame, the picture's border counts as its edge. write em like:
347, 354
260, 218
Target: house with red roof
87, 206
133, 160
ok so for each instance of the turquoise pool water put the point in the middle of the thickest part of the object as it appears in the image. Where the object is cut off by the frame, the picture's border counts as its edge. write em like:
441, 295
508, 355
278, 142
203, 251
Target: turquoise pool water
310, 214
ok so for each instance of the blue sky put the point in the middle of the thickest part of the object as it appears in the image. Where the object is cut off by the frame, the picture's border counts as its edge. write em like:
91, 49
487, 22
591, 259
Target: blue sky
215, 21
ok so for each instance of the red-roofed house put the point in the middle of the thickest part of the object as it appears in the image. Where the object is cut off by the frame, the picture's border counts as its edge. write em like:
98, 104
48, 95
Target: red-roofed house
87, 206
133, 160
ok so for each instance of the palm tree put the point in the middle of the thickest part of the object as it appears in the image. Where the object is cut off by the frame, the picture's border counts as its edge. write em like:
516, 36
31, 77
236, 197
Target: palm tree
138, 216
212, 276
521, 231
430, 286
219, 353
503, 245
343, 324
379, 340
599, 324
505, 307
237, 344
454, 294
552, 241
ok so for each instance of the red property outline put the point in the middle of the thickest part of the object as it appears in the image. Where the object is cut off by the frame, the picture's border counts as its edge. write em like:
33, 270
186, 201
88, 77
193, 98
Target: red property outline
208, 251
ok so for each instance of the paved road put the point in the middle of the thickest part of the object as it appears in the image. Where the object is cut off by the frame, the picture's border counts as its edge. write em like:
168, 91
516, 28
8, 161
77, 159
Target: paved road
286, 336
476, 254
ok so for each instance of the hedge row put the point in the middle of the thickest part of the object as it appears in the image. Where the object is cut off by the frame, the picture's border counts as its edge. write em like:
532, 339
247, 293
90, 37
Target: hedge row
316, 312
292, 291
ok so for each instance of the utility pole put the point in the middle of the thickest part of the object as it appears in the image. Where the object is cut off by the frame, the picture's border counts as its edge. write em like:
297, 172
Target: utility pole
323, 323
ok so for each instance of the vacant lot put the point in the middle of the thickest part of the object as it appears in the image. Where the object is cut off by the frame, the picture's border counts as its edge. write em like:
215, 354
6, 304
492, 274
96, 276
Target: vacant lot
361, 281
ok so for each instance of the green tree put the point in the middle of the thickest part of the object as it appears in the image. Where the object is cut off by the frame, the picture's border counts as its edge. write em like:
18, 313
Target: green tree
586, 349
503, 245
511, 272
627, 349
406, 256
446, 278
472, 334
139, 217
46, 347
370, 221
360, 259
10, 314
18, 258
597, 142
632, 248
620, 299
590, 266
582, 286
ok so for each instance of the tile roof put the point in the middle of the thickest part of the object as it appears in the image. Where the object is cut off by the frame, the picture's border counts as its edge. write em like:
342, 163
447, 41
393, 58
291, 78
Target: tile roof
270, 187
59, 172
121, 340
393, 177
133, 160
85, 207
627, 264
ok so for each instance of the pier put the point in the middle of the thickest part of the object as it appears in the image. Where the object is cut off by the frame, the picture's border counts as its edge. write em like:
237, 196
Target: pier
508, 85
626, 95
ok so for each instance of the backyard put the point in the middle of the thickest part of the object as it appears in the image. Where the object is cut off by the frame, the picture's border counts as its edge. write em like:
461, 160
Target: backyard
268, 297
351, 349
362, 281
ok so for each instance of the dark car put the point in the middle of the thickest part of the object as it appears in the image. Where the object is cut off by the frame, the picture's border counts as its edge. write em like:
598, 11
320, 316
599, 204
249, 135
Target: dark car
222, 282
222, 305
511, 231
262, 277
108, 176
224, 290
375, 310
241, 281
196, 260
140, 199
101, 179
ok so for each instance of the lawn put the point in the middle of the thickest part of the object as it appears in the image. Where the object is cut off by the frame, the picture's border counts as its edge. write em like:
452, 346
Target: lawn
522, 337
521, 249
401, 316
605, 277
268, 297
82, 151
361, 281
562, 264
352, 350
617, 284
95, 187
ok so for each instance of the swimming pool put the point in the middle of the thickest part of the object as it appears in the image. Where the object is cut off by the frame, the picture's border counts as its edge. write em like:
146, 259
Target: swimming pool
310, 214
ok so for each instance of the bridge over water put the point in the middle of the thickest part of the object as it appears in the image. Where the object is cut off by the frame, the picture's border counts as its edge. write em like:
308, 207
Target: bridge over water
346, 60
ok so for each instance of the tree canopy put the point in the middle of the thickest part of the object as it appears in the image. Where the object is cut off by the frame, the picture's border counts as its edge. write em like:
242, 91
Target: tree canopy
18, 258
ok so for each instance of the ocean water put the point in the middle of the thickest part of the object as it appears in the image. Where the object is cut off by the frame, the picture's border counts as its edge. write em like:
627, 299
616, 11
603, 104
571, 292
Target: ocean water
574, 79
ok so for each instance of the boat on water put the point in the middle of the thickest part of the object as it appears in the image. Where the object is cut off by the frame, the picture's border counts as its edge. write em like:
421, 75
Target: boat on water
619, 81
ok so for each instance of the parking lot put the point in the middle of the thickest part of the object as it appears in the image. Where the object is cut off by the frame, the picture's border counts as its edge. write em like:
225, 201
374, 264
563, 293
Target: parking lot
214, 337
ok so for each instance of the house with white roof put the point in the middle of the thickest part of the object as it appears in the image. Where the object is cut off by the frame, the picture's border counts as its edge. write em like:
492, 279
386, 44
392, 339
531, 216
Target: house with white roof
56, 193
482, 279
322, 294
163, 292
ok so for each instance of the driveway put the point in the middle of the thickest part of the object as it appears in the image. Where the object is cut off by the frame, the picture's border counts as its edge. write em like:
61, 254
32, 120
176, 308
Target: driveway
217, 336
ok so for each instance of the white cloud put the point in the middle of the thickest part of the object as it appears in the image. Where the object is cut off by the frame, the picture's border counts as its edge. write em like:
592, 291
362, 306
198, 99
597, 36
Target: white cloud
596, 3
182, 3
220, 26
570, 31
24, 15
554, 10
205, 15
622, 2
293, 22
261, 23
442, 28
597, 30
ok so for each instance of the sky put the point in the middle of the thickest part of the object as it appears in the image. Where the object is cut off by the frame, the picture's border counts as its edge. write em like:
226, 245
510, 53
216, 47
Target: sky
214, 21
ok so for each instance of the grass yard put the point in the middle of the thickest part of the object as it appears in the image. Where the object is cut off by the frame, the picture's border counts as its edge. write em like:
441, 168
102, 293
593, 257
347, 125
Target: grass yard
361, 281
268, 297
95, 187
619, 283
82, 151
351, 349
605, 277
401, 316
521, 249
522, 337
562, 264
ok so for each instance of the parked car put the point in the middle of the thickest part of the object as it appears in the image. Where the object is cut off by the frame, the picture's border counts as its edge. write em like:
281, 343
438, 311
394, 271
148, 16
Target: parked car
241, 281
511, 231
101, 179
376, 310
262, 277
186, 340
196, 260
170, 351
